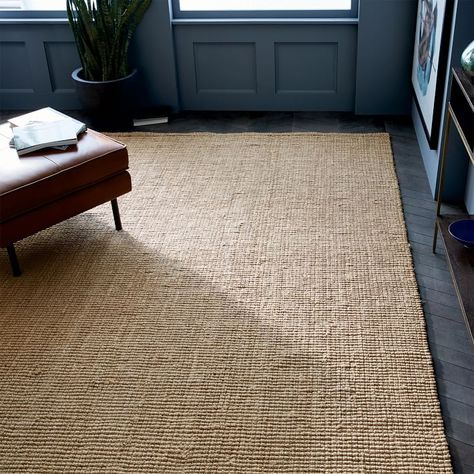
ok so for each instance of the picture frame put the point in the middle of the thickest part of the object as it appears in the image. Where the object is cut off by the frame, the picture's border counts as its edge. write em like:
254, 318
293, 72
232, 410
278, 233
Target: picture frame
430, 62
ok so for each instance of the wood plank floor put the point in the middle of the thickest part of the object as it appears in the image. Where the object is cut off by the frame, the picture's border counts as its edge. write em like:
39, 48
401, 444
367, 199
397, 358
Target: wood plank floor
451, 348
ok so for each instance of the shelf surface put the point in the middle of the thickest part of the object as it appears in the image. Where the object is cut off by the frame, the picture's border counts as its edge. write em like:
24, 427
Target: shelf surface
461, 265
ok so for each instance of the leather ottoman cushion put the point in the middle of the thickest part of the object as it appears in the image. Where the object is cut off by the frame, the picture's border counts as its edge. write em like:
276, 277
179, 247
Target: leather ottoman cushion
39, 178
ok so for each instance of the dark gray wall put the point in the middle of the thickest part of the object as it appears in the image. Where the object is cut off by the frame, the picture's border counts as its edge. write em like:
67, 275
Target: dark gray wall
153, 53
305, 65
384, 51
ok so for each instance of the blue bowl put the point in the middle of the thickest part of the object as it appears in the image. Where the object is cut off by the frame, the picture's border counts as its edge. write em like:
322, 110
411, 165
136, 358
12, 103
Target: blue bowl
463, 231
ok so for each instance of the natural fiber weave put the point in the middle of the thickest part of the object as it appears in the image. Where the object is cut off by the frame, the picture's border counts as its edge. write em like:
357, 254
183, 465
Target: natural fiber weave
258, 314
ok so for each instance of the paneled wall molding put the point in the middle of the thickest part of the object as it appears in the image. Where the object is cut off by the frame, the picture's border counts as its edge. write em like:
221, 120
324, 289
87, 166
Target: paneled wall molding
271, 67
40, 75
36, 62
313, 64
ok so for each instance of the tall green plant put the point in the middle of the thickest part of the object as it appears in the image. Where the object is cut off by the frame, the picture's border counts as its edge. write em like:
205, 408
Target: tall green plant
103, 30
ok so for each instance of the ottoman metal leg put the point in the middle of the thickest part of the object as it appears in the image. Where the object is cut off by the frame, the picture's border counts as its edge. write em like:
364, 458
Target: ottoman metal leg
13, 260
115, 210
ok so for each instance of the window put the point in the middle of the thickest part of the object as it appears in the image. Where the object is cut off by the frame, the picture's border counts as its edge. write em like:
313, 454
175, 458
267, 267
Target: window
250, 5
32, 5
11, 4
32, 9
264, 8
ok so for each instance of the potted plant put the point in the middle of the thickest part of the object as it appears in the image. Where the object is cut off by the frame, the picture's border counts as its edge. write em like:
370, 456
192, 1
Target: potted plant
103, 30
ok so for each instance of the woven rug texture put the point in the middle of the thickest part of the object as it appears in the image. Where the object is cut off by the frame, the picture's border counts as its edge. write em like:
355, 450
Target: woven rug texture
258, 314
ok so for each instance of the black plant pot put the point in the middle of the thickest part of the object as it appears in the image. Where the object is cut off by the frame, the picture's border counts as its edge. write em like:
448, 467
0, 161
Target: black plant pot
109, 105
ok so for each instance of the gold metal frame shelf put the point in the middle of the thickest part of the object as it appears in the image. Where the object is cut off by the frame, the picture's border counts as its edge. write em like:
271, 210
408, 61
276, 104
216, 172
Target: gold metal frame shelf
460, 259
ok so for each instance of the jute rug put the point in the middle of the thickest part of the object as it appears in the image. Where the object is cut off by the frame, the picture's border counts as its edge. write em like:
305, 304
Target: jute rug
258, 314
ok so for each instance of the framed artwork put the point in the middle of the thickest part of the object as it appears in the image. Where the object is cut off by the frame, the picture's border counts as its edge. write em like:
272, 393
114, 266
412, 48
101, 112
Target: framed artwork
430, 60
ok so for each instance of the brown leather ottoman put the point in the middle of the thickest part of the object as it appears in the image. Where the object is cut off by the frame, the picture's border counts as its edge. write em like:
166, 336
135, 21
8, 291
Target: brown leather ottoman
43, 188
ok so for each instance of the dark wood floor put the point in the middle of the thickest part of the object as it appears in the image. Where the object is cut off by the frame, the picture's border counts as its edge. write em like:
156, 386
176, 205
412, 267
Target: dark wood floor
451, 347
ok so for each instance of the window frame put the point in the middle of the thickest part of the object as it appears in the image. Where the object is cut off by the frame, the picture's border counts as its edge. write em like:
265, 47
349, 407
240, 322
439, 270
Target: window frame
31, 13
223, 14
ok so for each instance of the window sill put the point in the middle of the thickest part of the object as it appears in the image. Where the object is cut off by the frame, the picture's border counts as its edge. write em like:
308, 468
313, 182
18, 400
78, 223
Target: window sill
265, 21
32, 21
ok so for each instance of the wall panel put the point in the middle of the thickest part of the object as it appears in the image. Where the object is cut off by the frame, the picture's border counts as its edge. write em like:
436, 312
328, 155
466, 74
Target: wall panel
36, 61
62, 59
266, 67
233, 67
15, 67
306, 68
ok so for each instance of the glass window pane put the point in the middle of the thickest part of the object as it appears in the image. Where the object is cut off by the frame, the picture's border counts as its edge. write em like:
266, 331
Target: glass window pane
253, 5
13, 5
